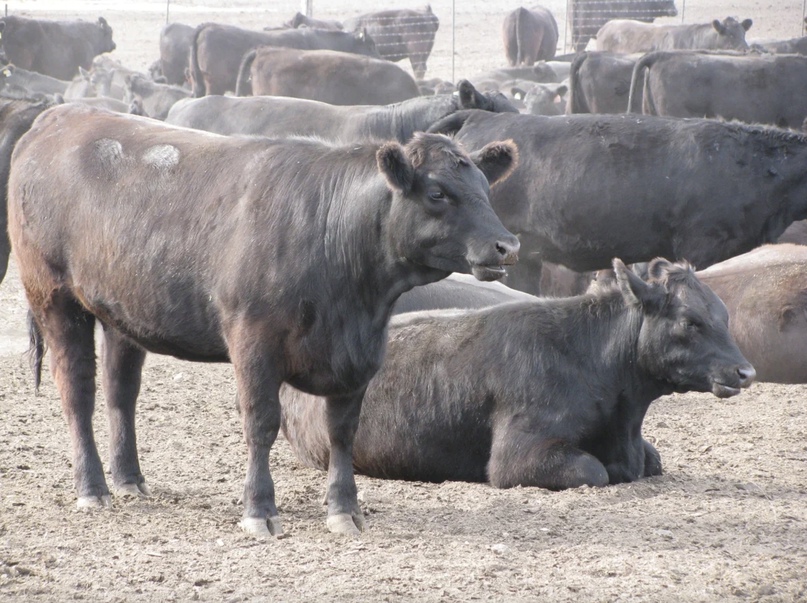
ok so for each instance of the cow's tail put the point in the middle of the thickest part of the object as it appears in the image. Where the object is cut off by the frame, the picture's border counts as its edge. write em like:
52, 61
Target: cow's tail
637, 78
576, 100
36, 349
520, 35
243, 86
199, 87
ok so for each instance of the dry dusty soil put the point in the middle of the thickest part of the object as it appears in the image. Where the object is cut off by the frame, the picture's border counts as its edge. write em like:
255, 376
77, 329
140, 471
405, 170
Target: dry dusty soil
726, 522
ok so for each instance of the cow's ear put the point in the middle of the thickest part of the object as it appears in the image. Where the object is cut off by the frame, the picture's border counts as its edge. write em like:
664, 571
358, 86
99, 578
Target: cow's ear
496, 160
470, 97
517, 93
719, 27
634, 290
398, 171
657, 268
83, 73
451, 124
747, 23
102, 22
561, 90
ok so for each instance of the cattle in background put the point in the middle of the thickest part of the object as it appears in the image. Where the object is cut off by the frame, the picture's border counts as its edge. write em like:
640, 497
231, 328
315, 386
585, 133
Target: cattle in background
541, 73
767, 89
627, 36
791, 46
54, 48
217, 50
295, 262
592, 187
540, 99
599, 82
400, 34
338, 78
152, 99
279, 117
300, 20
175, 46
765, 291
16, 82
16, 117
588, 16
529, 35
565, 410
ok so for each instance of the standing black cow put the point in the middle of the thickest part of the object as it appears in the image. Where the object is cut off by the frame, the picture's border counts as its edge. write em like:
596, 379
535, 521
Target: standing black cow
529, 35
565, 407
54, 48
590, 188
587, 16
399, 34
299, 251
175, 46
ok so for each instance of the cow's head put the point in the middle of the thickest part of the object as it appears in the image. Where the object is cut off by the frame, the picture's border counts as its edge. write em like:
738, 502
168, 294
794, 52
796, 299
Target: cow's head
366, 43
684, 339
731, 33
471, 98
106, 43
441, 215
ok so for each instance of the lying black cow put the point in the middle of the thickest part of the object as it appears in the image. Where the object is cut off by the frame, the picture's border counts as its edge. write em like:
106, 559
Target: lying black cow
279, 116
767, 89
400, 34
16, 117
338, 78
154, 100
300, 20
299, 251
16, 82
547, 393
54, 48
217, 50
589, 188
627, 36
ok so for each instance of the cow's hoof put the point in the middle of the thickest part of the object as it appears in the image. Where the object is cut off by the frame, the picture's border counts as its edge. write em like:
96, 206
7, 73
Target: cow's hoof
345, 523
88, 503
263, 528
133, 490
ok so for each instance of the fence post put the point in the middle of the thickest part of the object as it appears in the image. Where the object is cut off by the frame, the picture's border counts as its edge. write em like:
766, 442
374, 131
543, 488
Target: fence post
307, 8
167, 9
453, 36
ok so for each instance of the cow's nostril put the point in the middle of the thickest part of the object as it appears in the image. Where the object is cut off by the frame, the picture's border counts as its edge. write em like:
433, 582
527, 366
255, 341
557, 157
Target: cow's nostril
747, 373
507, 250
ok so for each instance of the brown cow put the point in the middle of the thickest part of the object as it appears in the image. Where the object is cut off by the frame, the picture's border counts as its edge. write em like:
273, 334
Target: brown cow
54, 48
298, 252
338, 78
765, 291
175, 46
399, 34
217, 50
529, 35
625, 36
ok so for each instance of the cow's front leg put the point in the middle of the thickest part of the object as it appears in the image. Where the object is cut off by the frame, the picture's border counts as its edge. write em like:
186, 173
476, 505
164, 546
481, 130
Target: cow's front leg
652, 459
342, 417
122, 369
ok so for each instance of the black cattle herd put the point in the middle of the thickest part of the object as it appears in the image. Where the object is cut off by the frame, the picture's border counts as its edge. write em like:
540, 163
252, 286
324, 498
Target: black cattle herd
293, 202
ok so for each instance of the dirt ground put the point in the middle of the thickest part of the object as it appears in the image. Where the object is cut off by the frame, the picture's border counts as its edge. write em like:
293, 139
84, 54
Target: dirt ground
726, 522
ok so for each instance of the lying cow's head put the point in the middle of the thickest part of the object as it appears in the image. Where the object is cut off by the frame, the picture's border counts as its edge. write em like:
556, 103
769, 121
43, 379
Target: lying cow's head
684, 339
441, 215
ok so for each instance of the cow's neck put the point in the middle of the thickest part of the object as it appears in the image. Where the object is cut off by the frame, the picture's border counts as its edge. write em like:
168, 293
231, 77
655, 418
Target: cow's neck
417, 114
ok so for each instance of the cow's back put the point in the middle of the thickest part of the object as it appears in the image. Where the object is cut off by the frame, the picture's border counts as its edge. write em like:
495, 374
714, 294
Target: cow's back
329, 76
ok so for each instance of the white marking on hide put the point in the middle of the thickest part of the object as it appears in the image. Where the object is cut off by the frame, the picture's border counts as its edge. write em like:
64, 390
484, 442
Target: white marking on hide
161, 156
109, 151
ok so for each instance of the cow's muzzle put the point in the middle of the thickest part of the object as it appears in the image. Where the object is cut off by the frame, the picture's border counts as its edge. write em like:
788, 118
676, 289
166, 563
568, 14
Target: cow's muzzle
506, 255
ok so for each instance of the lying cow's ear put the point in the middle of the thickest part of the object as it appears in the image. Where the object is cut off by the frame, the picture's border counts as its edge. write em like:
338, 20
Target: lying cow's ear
450, 124
561, 90
634, 290
657, 268
517, 93
102, 22
719, 27
398, 171
470, 97
497, 160
747, 23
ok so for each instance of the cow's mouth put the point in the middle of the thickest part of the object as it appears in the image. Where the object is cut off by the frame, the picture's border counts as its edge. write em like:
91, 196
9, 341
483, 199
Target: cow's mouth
721, 390
489, 272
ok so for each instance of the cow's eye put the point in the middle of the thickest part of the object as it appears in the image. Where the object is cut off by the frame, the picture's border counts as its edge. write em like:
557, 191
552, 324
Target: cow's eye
688, 323
437, 196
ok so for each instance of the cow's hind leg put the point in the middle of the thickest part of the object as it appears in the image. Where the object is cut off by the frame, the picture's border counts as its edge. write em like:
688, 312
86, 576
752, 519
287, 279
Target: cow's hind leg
68, 331
342, 416
525, 459
123, 365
